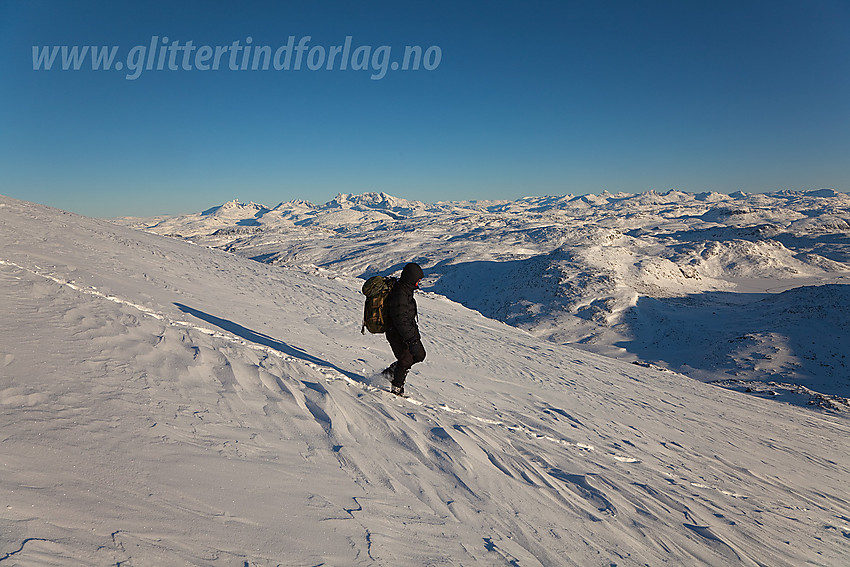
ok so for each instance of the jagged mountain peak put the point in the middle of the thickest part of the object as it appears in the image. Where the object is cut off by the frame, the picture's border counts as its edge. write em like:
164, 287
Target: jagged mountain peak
371, 200
235, 207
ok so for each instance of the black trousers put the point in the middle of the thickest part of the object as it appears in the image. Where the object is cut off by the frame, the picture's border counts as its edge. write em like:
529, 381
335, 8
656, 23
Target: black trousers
406, 355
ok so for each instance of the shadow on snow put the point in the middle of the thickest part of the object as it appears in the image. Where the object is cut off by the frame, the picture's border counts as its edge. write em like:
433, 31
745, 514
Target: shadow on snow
264, 340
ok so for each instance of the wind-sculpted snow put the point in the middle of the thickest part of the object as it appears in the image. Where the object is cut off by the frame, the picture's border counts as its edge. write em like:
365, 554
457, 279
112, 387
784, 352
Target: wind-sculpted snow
170, 404
585, 270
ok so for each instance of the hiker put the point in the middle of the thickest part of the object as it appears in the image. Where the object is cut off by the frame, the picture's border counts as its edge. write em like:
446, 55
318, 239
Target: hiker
402, 331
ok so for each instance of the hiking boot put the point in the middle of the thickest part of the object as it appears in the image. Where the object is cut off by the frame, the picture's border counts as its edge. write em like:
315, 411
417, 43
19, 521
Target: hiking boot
389, 371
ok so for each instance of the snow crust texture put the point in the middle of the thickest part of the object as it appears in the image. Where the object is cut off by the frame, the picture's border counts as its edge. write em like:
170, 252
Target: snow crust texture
747, 290
169, 404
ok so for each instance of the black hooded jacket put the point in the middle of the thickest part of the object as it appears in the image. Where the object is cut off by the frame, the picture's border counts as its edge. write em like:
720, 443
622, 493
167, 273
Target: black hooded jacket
401, 307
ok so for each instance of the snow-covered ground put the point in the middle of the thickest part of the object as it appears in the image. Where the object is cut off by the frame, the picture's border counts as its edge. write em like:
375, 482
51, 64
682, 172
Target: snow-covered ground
163, 403
749, 290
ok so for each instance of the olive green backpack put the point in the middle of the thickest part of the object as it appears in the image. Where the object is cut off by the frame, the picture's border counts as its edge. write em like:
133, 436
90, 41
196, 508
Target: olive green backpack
376, 289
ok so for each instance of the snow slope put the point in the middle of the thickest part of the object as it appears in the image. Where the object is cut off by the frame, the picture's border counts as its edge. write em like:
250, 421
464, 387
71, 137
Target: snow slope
170, 404
685, 281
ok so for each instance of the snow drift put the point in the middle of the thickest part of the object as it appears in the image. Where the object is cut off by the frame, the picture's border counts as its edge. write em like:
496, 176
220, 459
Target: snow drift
171, 404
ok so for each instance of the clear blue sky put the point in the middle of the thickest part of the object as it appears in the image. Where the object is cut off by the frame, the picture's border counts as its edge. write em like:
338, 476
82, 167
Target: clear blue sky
526, 98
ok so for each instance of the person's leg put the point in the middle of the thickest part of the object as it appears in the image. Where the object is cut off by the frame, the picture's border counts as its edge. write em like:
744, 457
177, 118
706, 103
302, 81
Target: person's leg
417, 352
402, 367
404, 359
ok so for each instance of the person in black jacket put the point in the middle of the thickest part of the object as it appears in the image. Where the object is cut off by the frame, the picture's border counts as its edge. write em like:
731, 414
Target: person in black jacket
402, 331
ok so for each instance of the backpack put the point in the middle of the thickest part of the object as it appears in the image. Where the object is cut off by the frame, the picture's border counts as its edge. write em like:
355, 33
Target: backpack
376, 289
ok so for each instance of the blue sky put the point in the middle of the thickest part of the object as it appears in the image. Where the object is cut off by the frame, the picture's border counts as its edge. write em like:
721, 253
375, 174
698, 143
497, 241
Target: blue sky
525, 98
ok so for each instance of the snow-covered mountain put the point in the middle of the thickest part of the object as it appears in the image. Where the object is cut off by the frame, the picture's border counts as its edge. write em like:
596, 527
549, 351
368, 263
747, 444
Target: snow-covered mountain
726, 288
169, 404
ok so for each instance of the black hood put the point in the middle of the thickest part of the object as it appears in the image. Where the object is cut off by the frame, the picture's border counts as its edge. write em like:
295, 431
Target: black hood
411, 273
